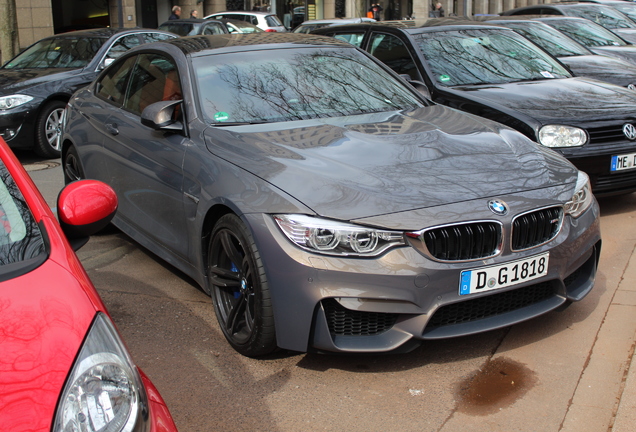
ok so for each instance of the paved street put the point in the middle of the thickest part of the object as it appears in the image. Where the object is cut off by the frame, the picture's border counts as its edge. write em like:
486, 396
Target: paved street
565, 371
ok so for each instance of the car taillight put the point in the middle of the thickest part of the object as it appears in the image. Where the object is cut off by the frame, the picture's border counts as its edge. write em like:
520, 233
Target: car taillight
270, 30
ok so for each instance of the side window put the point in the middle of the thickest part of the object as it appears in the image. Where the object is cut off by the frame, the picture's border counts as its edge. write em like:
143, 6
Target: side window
155, 37
155, 78
390, 50
352, 38
122, 45
251, 19
213, 29
112, 85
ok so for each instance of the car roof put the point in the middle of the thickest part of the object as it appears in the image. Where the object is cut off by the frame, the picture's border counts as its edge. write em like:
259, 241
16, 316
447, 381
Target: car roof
104, 32
243, 13
205, 44
338, 21
415, 26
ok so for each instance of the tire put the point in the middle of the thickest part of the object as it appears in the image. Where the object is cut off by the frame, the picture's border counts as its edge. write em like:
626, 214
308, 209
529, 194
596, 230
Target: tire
72, 166
47, 130
239, 289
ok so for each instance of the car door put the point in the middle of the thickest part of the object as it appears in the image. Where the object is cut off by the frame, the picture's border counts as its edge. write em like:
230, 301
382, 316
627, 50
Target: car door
146, 164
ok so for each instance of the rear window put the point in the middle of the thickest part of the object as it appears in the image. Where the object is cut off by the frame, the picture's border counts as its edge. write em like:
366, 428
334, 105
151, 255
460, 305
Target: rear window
273, 21
21, 242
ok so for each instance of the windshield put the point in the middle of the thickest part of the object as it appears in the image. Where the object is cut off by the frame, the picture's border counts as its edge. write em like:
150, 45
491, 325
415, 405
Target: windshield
604, 15
587, 33
628, 9
295, 84
473, 56
20, 237
57, 53
182, 29
550, 39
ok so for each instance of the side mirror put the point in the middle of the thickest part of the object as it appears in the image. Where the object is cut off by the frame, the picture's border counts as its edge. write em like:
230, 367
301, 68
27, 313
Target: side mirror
159, 116
107, 62
85, 207
419, 85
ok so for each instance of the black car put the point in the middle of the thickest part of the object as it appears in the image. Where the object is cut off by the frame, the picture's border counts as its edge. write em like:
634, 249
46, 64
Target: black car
608, 17
195, 26
597, 38
36, 84
496, 73
578, 58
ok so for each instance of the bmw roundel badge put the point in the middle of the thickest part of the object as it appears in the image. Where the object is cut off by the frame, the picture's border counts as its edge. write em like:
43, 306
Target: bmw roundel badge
498, 207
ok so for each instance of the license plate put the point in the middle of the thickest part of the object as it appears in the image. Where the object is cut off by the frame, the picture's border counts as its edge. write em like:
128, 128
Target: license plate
623, 162
503, 275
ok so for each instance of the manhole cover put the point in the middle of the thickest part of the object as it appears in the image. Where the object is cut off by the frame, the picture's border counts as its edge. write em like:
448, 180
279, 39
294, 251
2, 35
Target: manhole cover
39, 166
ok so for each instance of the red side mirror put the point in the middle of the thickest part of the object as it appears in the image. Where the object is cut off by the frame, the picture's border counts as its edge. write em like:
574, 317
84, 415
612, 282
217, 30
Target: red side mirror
84, 207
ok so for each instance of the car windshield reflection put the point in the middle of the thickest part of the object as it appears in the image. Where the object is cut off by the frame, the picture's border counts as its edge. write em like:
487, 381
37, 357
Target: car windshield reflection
547, 37
58, 53
262, 86
466, 57
587, 33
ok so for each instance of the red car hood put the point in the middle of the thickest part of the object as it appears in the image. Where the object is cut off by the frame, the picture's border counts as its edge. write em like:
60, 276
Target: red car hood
44, 317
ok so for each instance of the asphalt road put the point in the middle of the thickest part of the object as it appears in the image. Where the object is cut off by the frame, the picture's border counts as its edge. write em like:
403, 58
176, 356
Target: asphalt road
522, 378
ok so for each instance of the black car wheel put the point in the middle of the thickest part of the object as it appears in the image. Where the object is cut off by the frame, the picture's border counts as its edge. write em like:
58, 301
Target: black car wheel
48, 129
239, 289
72, 167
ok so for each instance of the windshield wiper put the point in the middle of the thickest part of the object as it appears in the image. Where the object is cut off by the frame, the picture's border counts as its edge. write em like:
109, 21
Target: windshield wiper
220, 124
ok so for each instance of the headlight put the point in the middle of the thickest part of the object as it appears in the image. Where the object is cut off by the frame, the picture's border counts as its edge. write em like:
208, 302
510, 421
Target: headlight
562, 136
13, 101
337, 238
582, 197
104, 391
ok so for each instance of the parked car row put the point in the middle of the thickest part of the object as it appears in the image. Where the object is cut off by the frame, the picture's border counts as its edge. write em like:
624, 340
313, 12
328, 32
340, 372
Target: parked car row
356, 193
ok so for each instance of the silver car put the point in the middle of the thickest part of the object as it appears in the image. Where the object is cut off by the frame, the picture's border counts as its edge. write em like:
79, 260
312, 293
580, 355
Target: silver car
322, 202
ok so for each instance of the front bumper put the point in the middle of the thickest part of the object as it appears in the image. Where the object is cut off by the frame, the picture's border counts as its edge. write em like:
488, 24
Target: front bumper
17, 125
393, 302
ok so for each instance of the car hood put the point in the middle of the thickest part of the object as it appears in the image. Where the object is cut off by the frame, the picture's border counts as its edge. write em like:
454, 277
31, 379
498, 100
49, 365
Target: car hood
574, 101
366, 165
627, 53
14, 80
603, 68
42, 326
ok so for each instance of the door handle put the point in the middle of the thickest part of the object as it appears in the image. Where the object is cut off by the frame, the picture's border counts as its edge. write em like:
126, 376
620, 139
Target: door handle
112, 128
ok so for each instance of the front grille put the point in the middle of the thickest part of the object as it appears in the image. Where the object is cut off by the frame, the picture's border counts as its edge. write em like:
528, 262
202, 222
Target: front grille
463, 242
606, 134
538, 227
615, 182
347, 322
492, 305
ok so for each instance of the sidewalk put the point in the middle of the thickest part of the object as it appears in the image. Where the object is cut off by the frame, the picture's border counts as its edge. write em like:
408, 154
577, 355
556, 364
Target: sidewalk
605, 398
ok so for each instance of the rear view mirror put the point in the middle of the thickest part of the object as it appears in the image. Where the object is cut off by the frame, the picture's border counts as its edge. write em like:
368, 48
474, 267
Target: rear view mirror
419, 85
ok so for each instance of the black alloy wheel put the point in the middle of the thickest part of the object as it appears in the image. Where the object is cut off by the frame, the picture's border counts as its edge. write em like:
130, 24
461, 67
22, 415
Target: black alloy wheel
72, 167
239, 289
48, 129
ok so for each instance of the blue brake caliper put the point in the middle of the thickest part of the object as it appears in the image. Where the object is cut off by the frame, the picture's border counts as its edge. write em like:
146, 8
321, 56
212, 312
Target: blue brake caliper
234, 269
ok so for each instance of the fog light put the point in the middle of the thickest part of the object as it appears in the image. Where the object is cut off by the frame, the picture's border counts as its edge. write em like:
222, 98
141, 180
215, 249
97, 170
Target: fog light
8, 134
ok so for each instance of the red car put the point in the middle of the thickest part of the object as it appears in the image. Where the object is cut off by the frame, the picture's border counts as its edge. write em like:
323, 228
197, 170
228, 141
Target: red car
63, 366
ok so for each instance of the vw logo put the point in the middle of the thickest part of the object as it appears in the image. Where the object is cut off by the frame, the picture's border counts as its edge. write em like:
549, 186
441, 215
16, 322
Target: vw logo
630, 131
498, 207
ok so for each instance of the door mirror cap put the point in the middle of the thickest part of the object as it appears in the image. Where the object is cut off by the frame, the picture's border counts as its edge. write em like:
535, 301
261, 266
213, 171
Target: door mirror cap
159, 116
85, 207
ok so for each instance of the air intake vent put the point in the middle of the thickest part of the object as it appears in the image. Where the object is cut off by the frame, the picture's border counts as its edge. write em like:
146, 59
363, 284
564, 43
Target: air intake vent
347, 322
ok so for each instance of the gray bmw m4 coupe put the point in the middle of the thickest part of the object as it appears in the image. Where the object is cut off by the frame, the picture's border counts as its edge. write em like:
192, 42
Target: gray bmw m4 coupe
323, 202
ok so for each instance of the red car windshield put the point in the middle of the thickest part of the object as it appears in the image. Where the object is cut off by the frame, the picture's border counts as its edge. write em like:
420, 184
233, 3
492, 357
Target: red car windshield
21, 242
